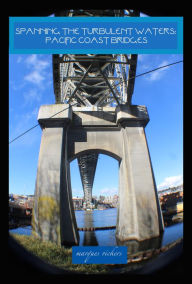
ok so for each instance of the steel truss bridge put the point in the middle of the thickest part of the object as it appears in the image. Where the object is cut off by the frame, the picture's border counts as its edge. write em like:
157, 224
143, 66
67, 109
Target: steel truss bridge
93, 81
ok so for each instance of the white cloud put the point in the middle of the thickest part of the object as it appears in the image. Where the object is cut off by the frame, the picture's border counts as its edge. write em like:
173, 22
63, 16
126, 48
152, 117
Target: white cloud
147, 62
38, 64
38, 69
34, 77
77, 192
170, 182
108, 191
31, 59
157, 74
105, 191
142, 57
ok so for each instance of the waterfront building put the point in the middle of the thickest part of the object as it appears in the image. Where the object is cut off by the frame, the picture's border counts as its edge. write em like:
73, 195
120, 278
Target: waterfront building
77, 202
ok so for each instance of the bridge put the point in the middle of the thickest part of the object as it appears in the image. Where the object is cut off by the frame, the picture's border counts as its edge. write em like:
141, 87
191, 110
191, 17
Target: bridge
89, 81
93, 114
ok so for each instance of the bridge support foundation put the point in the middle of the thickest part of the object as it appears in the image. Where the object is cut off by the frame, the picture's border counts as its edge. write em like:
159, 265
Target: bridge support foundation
139, 216
53, 214
118, 132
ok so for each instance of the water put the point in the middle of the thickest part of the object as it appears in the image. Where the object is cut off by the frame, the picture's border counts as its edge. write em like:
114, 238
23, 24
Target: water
102, 218
96, 218
172, 234
21, 231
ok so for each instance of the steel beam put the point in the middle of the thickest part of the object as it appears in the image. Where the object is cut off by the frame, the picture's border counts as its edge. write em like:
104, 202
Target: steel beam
87, 166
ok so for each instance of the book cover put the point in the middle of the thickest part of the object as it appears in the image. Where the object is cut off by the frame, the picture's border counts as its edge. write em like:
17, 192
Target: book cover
95, 141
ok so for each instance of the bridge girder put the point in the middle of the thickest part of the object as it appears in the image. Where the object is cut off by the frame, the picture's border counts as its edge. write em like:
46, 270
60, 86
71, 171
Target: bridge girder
94, 80
97, 80
87, 166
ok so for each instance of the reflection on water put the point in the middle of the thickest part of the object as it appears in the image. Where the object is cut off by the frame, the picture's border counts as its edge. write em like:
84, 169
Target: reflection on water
89, 238
135, 246
97, 218
102, 218
172, 233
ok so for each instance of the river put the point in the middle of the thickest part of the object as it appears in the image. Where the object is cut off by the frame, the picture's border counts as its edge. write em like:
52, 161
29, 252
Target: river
102, 218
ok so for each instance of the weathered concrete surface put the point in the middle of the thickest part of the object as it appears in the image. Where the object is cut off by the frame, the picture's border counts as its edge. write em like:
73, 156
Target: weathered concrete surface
132, 113
119, 133
54, 115
122, 136
106, 142
138, 206
53, 214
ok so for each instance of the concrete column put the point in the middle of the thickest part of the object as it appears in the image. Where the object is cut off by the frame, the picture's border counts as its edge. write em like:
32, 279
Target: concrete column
127, 226
139, 217
69, 233
53, 214
138, 213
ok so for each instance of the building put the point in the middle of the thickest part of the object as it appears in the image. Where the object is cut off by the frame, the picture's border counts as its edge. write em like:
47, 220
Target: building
77, 203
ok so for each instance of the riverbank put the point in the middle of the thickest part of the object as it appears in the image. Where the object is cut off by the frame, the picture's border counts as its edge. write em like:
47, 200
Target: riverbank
62, 257
55, 255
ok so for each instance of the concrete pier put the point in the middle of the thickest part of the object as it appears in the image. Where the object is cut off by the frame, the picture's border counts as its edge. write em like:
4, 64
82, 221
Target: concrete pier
118, 132
53, 214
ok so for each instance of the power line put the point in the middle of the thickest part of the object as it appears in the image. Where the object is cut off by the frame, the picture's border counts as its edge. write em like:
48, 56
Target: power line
164, 66
38, 123
24, 133
155, 69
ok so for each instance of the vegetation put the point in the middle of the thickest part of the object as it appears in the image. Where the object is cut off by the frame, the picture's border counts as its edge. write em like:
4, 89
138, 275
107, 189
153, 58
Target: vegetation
56, 255
62, 257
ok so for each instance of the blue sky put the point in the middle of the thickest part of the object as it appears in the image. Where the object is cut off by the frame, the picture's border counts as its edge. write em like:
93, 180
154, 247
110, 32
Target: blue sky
31, 85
